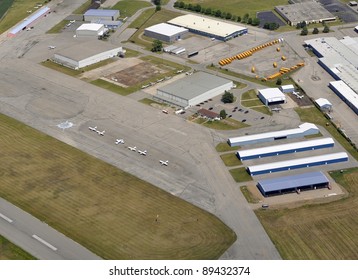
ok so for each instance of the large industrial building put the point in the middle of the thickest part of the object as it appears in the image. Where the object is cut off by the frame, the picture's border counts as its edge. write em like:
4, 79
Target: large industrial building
94, 15
90, 30
285, 149
271, 96
340, 59
285, 165
303, 130
209, 27
166, 32
346, 94
309, 12
294, 183
193, 89
86, 53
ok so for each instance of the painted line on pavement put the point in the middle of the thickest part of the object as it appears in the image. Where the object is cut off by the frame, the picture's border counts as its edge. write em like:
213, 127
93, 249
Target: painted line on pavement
44, 242
6, 218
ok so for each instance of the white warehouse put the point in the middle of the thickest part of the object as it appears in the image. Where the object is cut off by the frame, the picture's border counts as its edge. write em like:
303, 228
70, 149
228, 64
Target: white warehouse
166, 32
86, 53
90, 29
193, 89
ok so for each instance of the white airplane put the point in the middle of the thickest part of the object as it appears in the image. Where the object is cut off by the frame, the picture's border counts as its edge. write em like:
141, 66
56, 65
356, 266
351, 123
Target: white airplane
119, 141
72, 21
93, 128
51, 47
133, 148
300, 96
162, 162
101, 132
143, 153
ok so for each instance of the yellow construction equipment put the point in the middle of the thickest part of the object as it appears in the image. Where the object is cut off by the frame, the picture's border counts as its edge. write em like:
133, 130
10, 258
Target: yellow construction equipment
278, 49
253, 69
283, 58
274, 64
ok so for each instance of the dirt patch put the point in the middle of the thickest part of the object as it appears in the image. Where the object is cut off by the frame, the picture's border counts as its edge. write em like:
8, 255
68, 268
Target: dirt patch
136, 74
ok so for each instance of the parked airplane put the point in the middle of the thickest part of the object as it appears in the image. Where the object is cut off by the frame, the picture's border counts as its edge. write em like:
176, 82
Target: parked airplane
72, 21
101, 132
29, 12
119, 141
143, 153
133, 148
93, 128
51, 47
162, 162
300, 96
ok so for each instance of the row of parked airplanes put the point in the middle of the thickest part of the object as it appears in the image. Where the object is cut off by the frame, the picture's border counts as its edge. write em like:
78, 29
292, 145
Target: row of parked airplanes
121, 141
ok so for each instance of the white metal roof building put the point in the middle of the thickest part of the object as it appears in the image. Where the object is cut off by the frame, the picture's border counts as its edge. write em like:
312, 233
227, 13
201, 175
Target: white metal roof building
98, 14
297, 163
166, 32
346, 94
209, 27
270, 96
86, 53
294, 183
324, 104
303, 130
285, 149
193, 89
90, 29
287, 88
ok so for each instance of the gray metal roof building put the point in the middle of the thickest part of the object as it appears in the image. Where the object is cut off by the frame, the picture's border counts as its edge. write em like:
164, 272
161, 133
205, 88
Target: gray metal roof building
98, 14
193, 89
293, 183
310, 12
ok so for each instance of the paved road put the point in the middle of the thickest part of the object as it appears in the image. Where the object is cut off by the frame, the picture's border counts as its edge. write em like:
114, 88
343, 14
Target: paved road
196, 173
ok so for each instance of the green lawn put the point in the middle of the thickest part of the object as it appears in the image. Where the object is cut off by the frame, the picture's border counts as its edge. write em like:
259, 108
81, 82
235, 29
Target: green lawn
60, 68
250, 94
226, 124
239, 7
152, 102
251, 103
240, 175
262, 109
225, 147
131, 53
83, 8
9, 251
230, 159
110, 212
313, 115
113, 87
58, 27
326, 231
16, 13
129, 7
4, 6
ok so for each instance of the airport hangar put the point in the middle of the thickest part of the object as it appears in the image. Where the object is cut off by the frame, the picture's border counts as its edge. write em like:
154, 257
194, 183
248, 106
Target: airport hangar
309, 12
271, 96
302, 130
94, 15
193, 89
294, 183
91, 30
209, 27
166, 32
86, 53
340, 59
286, 165
285, 149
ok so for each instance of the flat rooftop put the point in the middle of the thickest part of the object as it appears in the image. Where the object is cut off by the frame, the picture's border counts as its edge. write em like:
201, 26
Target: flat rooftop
166, 29
272, 93
194, 85
90, 26
207, 25
85, 48
100, 12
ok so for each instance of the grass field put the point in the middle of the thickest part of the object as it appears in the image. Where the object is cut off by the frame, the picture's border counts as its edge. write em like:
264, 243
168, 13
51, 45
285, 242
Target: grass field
318, 231
83, 8
226, 124
16, 13
112, 213
238, 7
151, 102
251, 103
248, 195
58, 27
149, 18
113, 87
60, 68
313, 115
240, 175
224, 147
130, 7
250, 94
262, 109
9, 251
230, 159
4, 6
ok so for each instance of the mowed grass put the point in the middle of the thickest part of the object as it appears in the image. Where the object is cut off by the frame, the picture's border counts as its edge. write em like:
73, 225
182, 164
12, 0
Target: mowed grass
130, 7
16, 13
250, 94
239, 7
230, 159
112, 213
4, 6
318, 231
225, 147
9, 251
240, 175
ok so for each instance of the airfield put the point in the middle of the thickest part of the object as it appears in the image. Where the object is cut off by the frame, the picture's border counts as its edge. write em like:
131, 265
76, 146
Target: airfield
45, 99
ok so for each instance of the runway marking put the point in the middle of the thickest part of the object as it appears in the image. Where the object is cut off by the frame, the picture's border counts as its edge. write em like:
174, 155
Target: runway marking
178, 131
6, 218
44, 242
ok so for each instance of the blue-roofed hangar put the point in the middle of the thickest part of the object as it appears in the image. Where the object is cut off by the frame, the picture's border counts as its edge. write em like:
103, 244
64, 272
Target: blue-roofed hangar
296, 163
295, 183
285, 149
